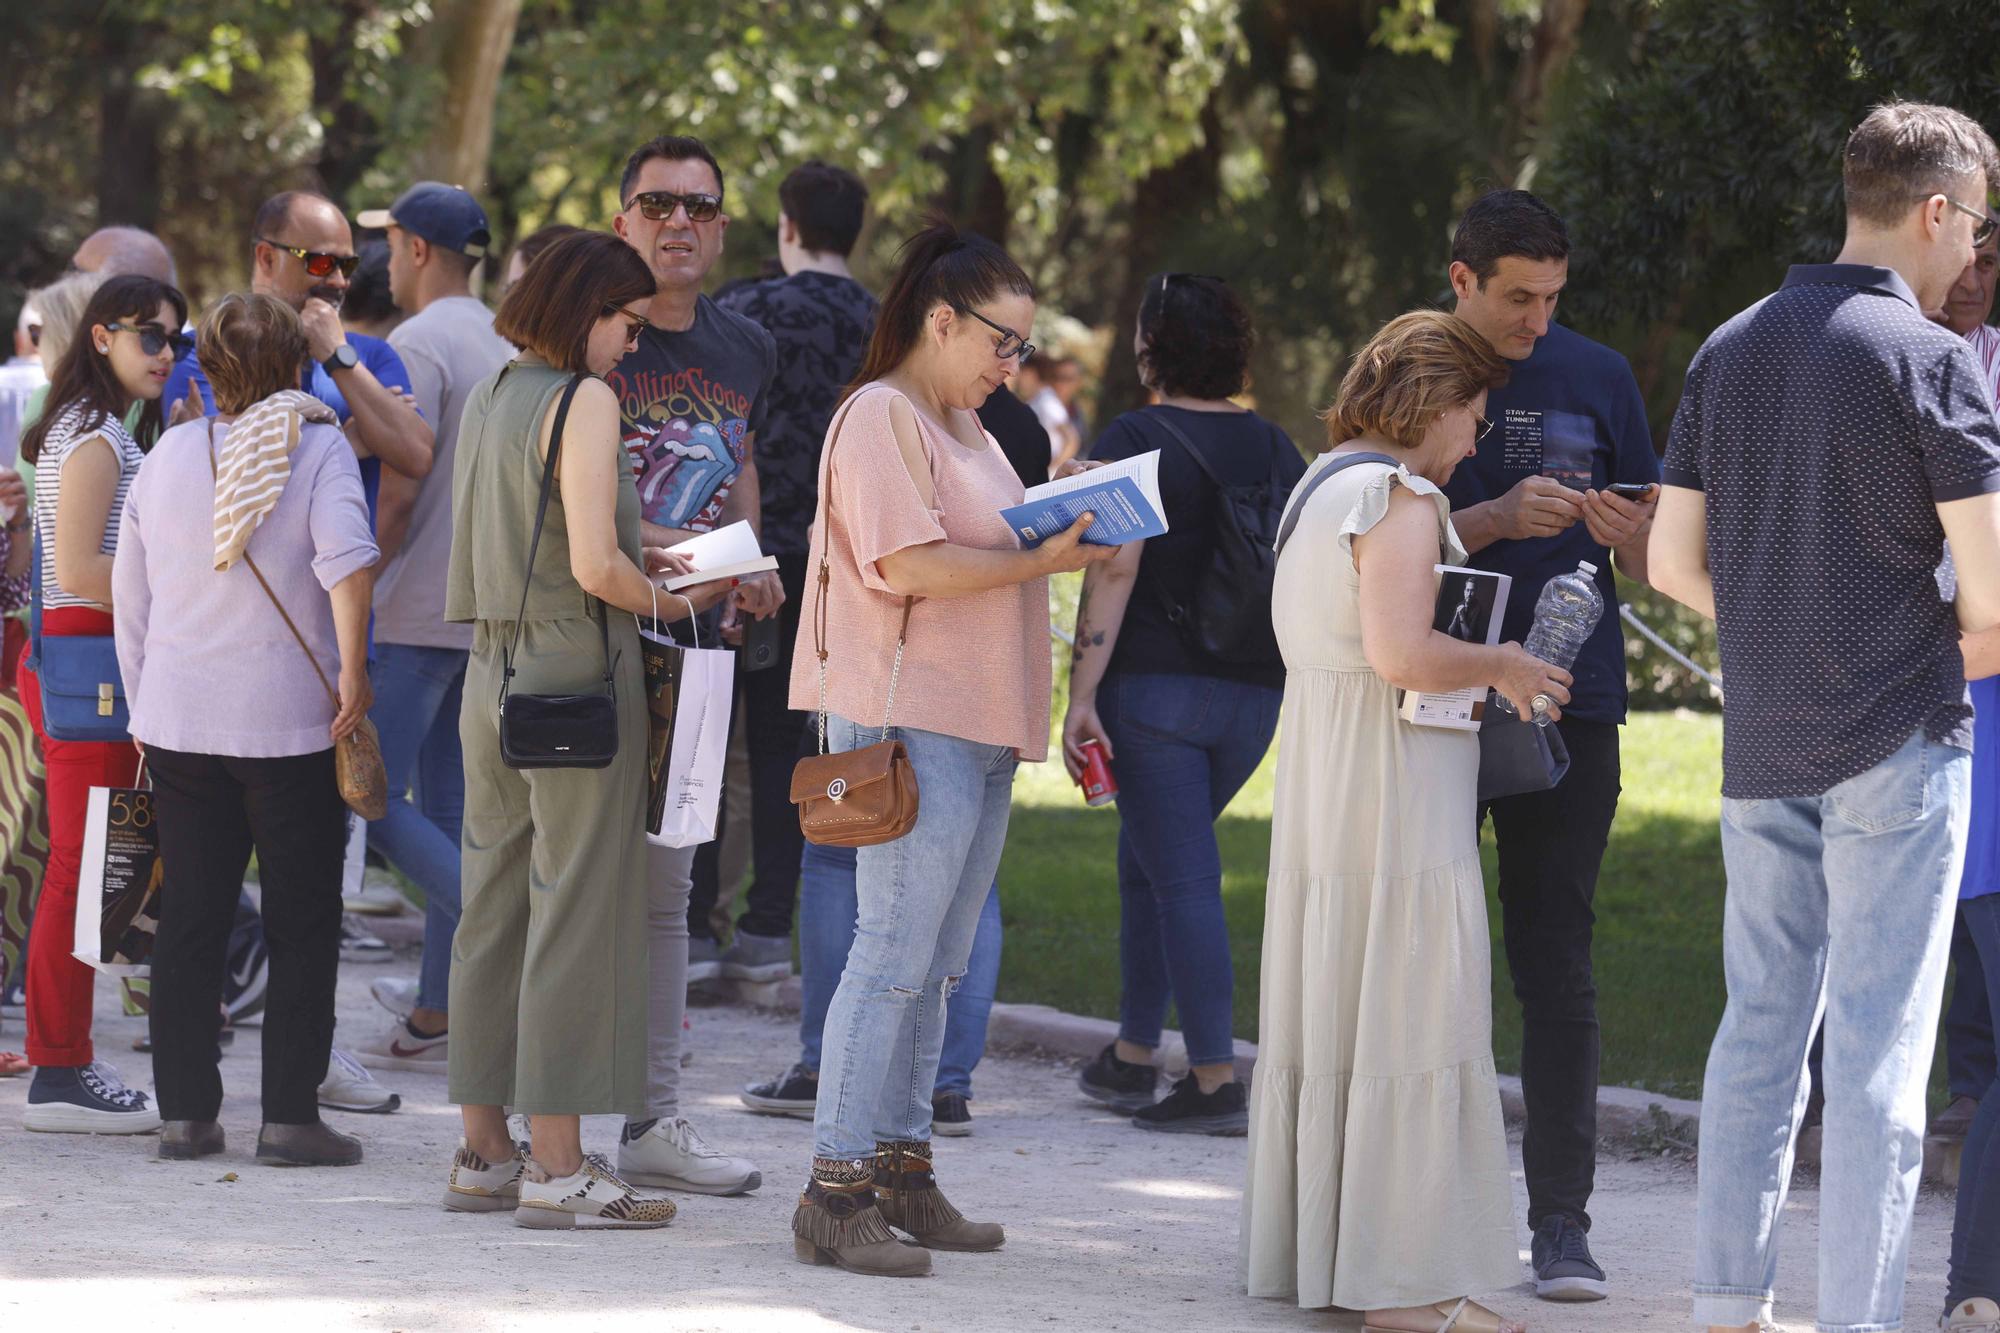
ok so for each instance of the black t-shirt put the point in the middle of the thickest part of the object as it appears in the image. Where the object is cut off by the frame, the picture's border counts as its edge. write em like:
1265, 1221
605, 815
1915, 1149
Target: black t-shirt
1020, 434
1242, 448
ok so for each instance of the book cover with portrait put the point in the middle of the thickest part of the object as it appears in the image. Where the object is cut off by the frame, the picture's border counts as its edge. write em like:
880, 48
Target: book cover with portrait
1470, 604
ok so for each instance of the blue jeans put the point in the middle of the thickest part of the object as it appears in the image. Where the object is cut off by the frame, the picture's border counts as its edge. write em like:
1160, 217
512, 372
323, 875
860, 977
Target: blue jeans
1840, 903
417, 694
826, 932
918, 903
1184, 745
1975, 1234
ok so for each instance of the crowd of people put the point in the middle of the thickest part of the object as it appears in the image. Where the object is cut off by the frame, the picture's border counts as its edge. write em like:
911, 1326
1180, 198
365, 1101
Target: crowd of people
354, 501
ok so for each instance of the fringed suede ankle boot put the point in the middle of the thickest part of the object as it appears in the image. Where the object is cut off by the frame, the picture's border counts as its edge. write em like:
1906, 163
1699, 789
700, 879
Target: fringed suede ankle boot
837, 1222
906, 1192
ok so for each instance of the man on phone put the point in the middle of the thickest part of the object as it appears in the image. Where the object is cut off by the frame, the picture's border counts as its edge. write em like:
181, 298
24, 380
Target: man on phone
1565, 473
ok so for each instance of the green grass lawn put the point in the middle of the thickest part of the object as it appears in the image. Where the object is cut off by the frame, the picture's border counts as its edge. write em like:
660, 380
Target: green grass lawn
1659, 905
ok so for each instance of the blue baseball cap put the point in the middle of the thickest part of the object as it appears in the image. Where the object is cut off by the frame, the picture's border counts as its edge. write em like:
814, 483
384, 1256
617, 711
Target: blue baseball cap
442, 214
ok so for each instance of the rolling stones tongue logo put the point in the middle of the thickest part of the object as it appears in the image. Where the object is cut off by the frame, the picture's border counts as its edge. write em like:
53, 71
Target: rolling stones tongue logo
681, 465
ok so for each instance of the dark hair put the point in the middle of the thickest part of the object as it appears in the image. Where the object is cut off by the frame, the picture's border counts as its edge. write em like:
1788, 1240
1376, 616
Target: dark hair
672, 147
252, 346
84, 377
368, 298
1195, 336
537, 241
1906, 151
563, 294
275, 212
826, 202
1507, 224
939, 263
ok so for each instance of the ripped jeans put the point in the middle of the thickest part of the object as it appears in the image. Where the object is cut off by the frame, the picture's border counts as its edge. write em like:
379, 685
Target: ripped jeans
918, 900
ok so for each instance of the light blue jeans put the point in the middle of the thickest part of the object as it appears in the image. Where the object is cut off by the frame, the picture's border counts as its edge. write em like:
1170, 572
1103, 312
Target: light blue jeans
918, 900
1841, 905
417, 693
827, 914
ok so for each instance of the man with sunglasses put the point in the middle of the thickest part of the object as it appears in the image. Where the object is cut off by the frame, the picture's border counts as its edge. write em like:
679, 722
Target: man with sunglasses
1533, 502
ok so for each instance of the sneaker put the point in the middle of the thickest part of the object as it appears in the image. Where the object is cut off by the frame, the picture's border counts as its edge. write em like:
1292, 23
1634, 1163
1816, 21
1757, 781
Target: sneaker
757, 957
704, 960
377, 896
396, 994
403, 1047
349, 1087
358, 946
479, 1186
669, 1154
1564, 1270
592, 1199
1956, 1119
795, 1092
950, 1116
249, 970
87, 1099
1120, 1085
1978, 1315
1186, 1109
14, 994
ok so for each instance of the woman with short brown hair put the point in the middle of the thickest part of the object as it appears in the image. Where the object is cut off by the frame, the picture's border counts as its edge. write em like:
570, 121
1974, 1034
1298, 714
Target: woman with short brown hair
1378, 1175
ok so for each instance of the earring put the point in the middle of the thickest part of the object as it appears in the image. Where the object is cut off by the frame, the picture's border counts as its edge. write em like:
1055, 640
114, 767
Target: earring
104, 349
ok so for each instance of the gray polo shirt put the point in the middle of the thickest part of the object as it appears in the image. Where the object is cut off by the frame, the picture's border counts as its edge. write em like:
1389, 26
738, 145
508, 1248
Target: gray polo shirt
1825, 424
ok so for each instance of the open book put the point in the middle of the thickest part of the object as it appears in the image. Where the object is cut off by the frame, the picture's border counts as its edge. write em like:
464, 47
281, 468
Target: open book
1125, 497
1470, 603
726, 553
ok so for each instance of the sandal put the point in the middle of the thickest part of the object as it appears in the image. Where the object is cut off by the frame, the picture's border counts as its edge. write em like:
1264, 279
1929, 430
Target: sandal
13, 1064
1467, 1316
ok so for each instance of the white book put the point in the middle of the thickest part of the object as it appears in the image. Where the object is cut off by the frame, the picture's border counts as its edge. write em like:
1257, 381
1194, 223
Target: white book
1123, 497
1470, 605
727, 553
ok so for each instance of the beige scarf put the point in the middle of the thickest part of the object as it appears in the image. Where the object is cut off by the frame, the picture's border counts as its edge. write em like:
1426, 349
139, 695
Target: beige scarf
252, 464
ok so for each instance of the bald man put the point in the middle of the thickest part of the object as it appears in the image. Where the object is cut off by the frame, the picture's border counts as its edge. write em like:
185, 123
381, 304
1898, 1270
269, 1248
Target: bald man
115, 250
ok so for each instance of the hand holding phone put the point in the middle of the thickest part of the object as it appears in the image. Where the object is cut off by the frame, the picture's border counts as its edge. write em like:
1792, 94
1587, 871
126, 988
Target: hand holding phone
1636, 491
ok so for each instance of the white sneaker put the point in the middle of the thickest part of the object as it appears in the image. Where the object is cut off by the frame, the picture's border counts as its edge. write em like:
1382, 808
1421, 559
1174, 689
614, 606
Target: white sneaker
480, 1186
349, 1087
400, 1048
377, 896
592, 1199
360, 946
672, 1156
396, 994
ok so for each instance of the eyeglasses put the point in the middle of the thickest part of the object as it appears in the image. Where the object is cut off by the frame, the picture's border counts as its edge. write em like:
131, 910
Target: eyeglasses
1011, 343
1480, 431
1982, 233
637, 323
319, 263
659, 205
153, 339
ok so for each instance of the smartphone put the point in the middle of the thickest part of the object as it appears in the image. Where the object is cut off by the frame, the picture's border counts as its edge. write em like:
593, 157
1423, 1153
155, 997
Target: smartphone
1631, 490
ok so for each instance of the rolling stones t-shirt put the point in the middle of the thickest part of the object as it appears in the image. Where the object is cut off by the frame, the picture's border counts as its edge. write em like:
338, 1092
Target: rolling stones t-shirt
689, 403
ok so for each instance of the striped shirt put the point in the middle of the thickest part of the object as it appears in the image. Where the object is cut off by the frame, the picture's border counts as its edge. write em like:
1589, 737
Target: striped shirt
1985, 342
63, 438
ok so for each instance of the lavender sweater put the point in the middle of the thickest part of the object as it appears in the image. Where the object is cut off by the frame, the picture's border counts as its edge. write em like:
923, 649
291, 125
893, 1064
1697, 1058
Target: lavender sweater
208, 664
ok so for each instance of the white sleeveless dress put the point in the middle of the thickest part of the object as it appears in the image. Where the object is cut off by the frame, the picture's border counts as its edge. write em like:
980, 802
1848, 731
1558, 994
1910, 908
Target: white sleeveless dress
1378, 1172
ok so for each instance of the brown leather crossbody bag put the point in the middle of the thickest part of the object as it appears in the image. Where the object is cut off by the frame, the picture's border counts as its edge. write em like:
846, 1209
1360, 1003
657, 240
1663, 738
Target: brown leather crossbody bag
856, 798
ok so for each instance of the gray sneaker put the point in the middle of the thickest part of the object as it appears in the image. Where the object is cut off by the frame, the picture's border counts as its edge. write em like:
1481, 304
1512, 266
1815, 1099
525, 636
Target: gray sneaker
704, 960
757, 957
1564, 1270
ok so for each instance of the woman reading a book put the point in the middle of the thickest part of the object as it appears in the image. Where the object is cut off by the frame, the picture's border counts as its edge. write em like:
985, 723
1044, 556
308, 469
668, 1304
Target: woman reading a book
1378, 1175
912, 487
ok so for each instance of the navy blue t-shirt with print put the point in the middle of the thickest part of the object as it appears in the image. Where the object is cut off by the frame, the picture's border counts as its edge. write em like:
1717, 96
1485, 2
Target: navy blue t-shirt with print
1571, 411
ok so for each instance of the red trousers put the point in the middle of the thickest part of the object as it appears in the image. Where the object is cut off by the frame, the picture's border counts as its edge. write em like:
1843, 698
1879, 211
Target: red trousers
59, 987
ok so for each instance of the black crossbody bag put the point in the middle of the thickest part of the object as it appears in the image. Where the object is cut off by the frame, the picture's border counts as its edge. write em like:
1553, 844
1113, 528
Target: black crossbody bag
556, 730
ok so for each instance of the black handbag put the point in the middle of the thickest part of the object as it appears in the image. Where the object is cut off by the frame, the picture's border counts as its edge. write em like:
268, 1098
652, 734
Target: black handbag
1517, 757
556, 730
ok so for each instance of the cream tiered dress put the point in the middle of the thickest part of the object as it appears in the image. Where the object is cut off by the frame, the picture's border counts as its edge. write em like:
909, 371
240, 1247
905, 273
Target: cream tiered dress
1378, 1172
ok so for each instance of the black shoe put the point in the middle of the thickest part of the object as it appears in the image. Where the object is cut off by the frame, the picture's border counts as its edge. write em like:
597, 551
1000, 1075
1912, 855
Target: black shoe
1120, 1085
1564, 1270
317, 1144
950, 1116
185, 1140
794, 1092
1189, 1110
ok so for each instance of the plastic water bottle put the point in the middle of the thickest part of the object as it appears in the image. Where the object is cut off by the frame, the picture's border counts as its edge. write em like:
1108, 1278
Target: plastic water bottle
1565, 614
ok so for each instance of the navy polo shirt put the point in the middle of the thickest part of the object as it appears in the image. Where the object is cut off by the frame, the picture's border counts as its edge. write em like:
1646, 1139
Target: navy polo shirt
1824, 425
1571, 410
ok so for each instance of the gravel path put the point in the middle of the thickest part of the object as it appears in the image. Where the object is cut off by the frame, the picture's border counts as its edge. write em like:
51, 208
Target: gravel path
1109, 1228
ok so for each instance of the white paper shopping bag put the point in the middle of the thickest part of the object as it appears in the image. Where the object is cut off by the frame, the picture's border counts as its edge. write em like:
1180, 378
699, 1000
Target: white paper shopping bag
118, 892
689, 694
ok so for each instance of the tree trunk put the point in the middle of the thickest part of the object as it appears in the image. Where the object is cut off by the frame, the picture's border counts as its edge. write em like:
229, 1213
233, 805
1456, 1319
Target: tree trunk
128, 128
469, 40
352, 129
1554, 42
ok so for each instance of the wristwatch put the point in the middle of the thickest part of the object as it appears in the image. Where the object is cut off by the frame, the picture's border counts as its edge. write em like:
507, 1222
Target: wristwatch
341, 358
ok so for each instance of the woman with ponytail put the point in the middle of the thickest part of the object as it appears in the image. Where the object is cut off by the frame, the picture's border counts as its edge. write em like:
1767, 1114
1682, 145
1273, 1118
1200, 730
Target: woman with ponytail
911, 490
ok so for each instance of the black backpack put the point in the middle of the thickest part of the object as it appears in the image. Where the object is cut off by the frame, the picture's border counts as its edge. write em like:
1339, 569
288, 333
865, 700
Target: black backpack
1228, 617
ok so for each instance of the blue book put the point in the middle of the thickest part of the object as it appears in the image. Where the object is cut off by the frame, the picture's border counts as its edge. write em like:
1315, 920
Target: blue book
1124, 496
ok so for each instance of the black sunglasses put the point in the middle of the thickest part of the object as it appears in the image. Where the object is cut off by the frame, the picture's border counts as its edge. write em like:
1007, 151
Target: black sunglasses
659, 205
1011, 343
319, 263
153, 339
636, 324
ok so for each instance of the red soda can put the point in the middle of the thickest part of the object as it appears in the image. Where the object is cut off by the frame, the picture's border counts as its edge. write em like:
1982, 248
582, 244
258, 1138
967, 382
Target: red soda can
1099, 786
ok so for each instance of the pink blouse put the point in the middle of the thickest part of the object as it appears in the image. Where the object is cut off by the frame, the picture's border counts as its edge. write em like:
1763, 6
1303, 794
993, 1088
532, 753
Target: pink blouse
975, 667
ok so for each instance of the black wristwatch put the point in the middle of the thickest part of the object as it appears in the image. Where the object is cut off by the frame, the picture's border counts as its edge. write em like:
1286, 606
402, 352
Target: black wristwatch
341, 358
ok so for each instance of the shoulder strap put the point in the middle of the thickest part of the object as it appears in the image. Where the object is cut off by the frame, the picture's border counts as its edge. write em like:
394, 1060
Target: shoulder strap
535, 541
1311, 484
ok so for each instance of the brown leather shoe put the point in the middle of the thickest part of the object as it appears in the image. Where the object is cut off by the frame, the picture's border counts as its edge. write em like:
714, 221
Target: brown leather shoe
837, 1222
906, 1192
1956, 1119
317, 1144
185, 1140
